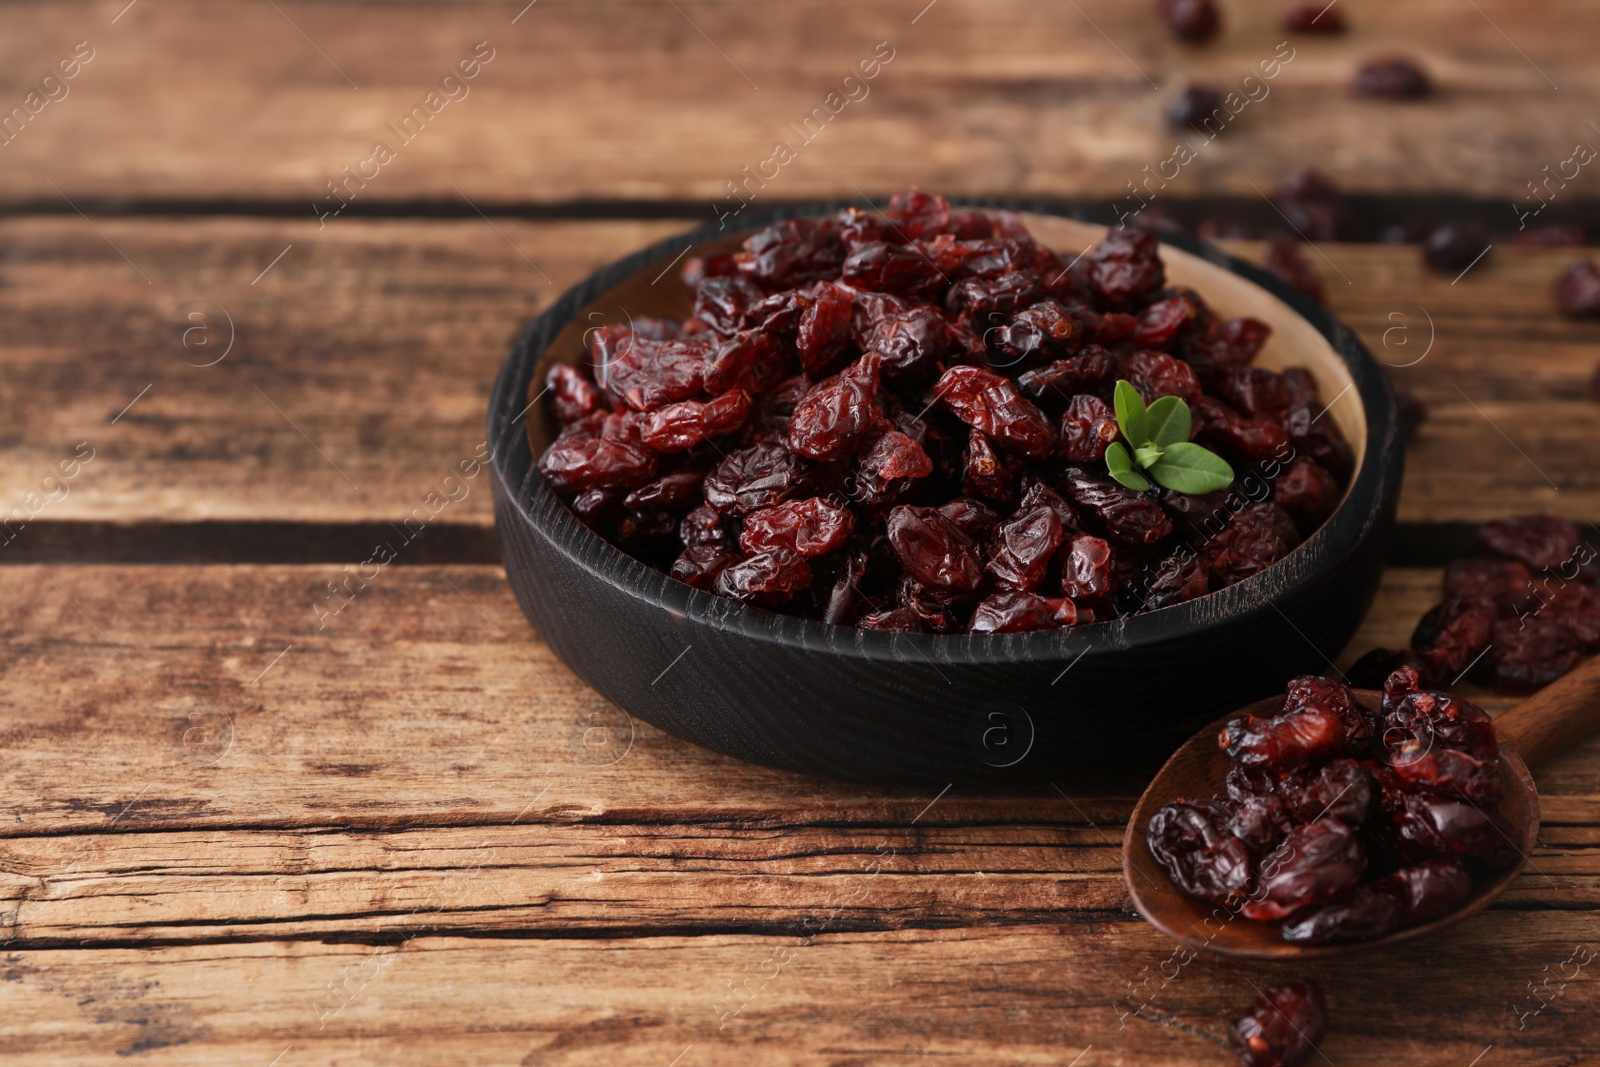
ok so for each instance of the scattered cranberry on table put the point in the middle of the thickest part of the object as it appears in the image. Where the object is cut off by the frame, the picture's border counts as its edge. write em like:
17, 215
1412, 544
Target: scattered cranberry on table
910, 421
1282, 1027
1190, 20
1392, 78
1340, 822
1452, 248
1578, 290
1286, 261
1313, 18
1192, 107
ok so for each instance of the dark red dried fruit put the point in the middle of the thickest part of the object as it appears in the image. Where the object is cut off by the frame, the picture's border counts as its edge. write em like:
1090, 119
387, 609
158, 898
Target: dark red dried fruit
1540, 541
1313, 18
1284, 260
823, 336
1578, 290
1088, 570
1307, 492
1175, 580
1392, 78
1368, 914
647, 374
811, 527
769, 577
1340, 789
1200, 857
791, 253
572, 394
1530, 652
1434, 827
1023, 549
897, 269
991, 404
1506, 583
1225, 430
1455, 632
1121, 513
1256, 537
581, 462
700, 565
1316, 729
1156, 374
1016, 612
915, 213
1282, 1028
1087, 427
673, 491
681, 426
703, 527
1190, 20
1194, 106
975, 518
828, 421
1452, 249
1045, 330
985, 473
1125, 269
757, 477
1312, 204
1261, 822
934, 550
1317, 863
1428, 891
1092, 370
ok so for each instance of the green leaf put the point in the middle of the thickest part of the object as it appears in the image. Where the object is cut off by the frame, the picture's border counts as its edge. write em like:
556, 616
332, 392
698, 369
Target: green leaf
1130, 413
1167, 421
1185, 467
1121, 467
1146, 455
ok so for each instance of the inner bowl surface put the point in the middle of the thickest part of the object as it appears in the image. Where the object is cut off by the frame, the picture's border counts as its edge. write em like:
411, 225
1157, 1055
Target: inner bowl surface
869, 706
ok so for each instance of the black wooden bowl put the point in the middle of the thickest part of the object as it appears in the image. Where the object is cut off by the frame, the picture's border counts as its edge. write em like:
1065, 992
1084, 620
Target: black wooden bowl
901, 708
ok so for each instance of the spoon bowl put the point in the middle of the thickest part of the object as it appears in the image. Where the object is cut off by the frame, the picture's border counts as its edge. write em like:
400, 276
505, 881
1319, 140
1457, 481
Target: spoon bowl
1545, 723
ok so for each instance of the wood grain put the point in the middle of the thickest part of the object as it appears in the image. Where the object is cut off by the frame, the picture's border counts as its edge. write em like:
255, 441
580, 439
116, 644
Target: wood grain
643, 101
362, 361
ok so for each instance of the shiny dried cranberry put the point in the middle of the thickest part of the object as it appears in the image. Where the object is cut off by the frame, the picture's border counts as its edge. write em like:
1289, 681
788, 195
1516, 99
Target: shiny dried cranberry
1434, 718
679, 427
1455, 631
991, 301
580, 462
703, 526
896, 269
1252, 780
1312, 204
1256, 392
1540, 541
1226, 430
857, 227
934, 550
672, 491
810, 527
1122, 514
594, 505
1176, 579
791, 253
1295, 737
769, 421
975, 518
721, 302
1223, 345
1192, 107
1261, 822
823, 336
1369, 914
757, 477
1578, 290
1202, 859
1088, 426
894, 455
1256, 537
909, 340
1190, 20
895, 620
572, 394
1282, 1027
1506, 583
917, 214
696, 269
1307, 492
1015, 612
1161, 322
750, 359
647, 374
991, 404
699, 566
1125, 269
1340, 789
1044, 330
985, 473
1092, 370
1392, 78
1088, 570
1314, 434
1435, 827
1313, 18
1427, 891
1023, 548
767, 578
1317, 863
828, 422
1452, 249
1156, 374
1530, 652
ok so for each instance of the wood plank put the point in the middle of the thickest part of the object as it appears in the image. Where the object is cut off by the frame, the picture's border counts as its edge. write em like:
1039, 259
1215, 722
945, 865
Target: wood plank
631, 100
1111, 993
363, 358
426, 701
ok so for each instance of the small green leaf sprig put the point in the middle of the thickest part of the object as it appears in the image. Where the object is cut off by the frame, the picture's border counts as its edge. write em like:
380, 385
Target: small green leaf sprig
1158, 436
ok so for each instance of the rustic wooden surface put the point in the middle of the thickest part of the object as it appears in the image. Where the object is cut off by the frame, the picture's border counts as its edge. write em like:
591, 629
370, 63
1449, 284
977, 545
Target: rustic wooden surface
412, 836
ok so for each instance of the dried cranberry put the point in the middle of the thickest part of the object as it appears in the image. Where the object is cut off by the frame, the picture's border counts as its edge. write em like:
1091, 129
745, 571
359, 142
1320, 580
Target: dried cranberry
1452, 249
1125, 269
791, 253
811, 527
1392, 78
894, 455
1015, 612
1088, 573
934, 550
1505, 583
828, 421
1540, 541
1090, 371
1161, 322
1285, 261
1307, 492
1087, 427
1530, 652
1313, 18
1023, 548
721, 302
572, 394
679, 427
1282, 1028
580, 462
1261, 822
992, 301
895, 269
1156, 374
1256, 536
917, 214
1312, 204
990, 403
1317, 863
908, 338
985, 473
1190, 20
1044, 330
1176, 579
1428, 891
1123, 514
703, 527
647, 374
1200, 857
1194, 106
1314, 731
1340, 789
1434, 719
975, 518
699, 566
1434, 827
757, 477
1456, 631
672, 491
1578, 290
823, 336
1369, 914
769, 577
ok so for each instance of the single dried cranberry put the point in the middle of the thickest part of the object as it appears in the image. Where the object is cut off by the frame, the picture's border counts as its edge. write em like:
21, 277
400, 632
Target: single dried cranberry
1317, 864
679, 427
1282, 1027
1452, 249
975, 518
992, 301
1125, 269
823, 336
721, 302
1455, 631
704, 527
1044, 330
1156, 374
917, 214
1314, 434
1577, 608
1190, 20
810, 527
572, 394
791, 253
769, 419
1176, 579
1023, 548
1201, 858
648, 374
1505, 583
1313, 18
1225, 429
750, 359
1285, 261
579, 462
1369, 914
1307, 492
1090, 371
1088, 574
934, 550
909, 339
594, 505
1298, 736
893, 455
1261, 822
766, 578
1015, 612
672, 491
985, 473
1088, 426
1427, 891
1192, 107
896, 269
1434, 827
1121, 513
1392, 78
991, 404
696, 269
1530, 652
1256, 536
1578, 290
1163, 321
699, 565
1256, 392
1540, 541
757, 477
828, 421
1340, 789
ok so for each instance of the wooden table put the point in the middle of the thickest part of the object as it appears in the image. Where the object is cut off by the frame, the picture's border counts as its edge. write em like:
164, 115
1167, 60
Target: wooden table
408, 834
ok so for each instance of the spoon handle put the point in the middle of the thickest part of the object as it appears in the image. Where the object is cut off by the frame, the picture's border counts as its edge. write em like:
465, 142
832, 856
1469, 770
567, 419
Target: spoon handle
1556, 717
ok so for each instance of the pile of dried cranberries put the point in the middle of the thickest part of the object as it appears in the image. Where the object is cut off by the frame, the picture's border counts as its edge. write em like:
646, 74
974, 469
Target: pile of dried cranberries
899, 422
1340, 822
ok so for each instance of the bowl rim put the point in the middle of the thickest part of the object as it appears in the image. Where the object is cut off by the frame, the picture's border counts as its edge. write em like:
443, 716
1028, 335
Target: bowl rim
1373, 489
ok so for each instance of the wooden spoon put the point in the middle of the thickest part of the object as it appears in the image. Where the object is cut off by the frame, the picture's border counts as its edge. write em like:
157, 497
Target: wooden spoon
1548, 722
